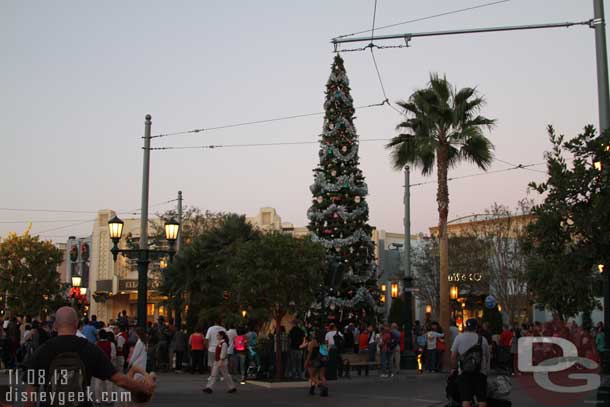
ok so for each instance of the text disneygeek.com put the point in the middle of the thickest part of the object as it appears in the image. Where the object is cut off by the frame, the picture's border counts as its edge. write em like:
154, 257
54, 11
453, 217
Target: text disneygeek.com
15, 395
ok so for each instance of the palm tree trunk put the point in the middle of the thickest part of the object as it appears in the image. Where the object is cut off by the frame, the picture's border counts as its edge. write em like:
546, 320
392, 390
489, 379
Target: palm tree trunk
442, 199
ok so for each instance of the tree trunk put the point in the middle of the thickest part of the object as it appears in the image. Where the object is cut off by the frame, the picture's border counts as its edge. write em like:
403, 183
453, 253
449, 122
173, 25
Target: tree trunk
278, 354
442, 199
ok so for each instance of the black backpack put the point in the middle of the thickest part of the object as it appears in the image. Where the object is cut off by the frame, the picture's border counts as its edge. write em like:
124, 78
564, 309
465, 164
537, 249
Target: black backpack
338, 342
66, 374
471, 361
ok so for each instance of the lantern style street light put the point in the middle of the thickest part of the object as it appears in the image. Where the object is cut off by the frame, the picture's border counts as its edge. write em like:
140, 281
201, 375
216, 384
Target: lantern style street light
115, 228
394, 290
76, 280
453, 292
83, 291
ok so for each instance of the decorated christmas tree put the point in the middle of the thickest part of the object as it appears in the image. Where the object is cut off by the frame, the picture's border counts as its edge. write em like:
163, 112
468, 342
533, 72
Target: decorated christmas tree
338, 216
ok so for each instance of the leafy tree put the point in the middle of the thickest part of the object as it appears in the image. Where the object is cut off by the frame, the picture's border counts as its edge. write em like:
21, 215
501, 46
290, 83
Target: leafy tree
443, 128
503, 236
425, 266
278, 273
28, 274
468, 262
338, 216
201, 276
570, 235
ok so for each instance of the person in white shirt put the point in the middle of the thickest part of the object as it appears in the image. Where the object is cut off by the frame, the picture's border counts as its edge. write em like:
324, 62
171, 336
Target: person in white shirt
211, 341
231, 334
137, 357
472, 384
330, 336
431, 352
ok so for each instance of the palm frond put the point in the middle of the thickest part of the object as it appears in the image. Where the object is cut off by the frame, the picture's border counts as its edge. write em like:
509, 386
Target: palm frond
477, 149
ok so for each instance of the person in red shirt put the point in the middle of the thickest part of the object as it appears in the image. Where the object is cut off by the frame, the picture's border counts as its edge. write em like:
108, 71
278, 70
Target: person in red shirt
196, 346
503, 356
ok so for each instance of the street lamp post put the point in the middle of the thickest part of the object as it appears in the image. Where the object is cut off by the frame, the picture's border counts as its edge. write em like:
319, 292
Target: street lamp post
115, 227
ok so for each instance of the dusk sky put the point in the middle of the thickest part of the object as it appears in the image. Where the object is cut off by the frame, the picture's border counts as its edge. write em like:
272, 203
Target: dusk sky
77, 79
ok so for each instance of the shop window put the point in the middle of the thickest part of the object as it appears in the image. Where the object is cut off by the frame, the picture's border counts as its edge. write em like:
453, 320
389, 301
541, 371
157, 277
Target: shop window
150, 309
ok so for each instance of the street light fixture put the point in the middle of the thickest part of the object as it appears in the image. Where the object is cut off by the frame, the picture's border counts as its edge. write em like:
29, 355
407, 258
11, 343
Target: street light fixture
115, 228
76, 280
428, 309
244, 313
171, 230
453, 292
83, 291
394, 290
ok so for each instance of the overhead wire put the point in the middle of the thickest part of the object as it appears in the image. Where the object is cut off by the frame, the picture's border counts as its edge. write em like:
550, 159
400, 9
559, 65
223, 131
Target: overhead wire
383, 27
515, 167
228, 126
287, 143
370, 46
78, 221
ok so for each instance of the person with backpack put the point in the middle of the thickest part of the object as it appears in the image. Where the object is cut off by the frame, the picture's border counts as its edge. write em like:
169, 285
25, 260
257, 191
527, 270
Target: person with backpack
334, 340
75, 361
240, 344
470, 359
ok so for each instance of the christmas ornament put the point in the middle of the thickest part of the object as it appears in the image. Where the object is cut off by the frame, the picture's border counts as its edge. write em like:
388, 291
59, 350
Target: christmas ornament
333, 173
357, 199
344, 149
320, 199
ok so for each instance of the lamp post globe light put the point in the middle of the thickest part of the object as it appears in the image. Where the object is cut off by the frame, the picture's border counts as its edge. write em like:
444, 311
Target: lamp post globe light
76, 280
115, 229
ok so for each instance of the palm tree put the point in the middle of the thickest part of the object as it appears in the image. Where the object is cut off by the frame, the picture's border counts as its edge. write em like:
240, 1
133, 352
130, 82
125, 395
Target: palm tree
442, 126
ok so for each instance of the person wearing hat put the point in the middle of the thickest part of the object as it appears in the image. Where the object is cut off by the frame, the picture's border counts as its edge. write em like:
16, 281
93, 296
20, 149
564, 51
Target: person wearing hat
471, 350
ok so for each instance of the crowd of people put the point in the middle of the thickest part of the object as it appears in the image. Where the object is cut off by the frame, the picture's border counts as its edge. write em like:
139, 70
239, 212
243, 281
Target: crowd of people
133, 352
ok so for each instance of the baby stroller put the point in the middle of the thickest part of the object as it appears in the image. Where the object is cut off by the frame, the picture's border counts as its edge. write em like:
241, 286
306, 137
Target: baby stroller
498, 390
253, 368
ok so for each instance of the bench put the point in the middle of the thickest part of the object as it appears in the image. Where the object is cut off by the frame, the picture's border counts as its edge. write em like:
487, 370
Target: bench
359, 361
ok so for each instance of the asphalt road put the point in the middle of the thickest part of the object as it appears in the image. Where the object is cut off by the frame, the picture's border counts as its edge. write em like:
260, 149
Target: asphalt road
408, 389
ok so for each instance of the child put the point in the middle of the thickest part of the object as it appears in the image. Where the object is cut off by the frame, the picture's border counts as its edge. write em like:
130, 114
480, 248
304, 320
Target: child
221, 364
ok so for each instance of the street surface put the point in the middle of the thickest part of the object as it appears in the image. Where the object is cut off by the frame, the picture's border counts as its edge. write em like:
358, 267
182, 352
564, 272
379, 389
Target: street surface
408, 389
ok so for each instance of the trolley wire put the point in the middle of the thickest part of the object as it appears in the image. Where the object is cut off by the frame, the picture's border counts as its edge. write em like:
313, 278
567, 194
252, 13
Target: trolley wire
287, 143
425, 18
478, 174
276, 119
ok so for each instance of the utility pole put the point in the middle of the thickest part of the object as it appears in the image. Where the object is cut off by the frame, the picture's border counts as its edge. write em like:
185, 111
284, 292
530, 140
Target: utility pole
179, 242
599, 24
178, 300
143, 255
408, 356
